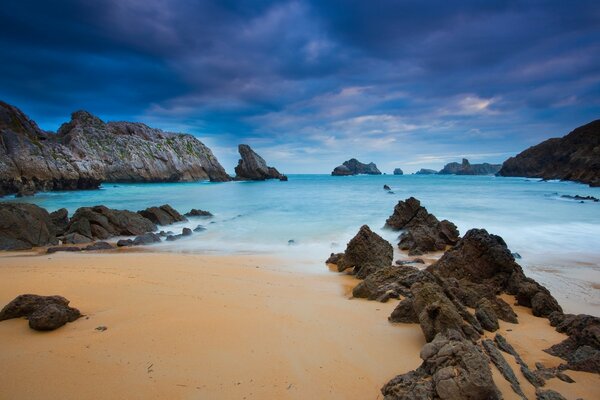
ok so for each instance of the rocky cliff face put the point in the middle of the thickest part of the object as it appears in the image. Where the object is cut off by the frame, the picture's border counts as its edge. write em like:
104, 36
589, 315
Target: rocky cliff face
253, 167
466, 168
87, 151
574, 157
355, 167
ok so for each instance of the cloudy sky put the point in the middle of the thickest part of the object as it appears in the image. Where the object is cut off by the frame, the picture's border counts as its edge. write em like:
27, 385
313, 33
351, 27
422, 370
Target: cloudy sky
309, 84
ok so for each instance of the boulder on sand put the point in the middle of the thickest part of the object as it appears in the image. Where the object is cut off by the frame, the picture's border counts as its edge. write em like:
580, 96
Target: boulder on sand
44, 312
367, 250
23, 226
101, 223
163, 215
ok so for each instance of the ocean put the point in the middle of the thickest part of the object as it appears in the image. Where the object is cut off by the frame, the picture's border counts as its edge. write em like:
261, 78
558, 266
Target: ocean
310, 216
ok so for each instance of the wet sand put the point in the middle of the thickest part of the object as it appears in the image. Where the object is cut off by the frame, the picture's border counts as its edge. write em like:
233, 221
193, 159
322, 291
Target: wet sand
188, 326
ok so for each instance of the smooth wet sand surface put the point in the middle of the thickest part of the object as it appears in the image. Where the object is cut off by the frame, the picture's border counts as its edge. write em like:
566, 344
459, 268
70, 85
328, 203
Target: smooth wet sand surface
219, 327
197, 327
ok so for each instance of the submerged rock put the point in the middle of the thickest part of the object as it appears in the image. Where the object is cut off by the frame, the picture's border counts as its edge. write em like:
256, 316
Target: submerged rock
146, 239
23, 226
44, 312
253, 167
355, 167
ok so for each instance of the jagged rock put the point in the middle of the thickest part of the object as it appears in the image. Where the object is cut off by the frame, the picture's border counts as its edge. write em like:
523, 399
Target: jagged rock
23, 226
253, 167
548, 394
75, 238
466, 168
437, 313
87, 151
52, 250
355, 167
386, 187
582, 348
581, 198
422, 231
404, 312
145, 239
60, 219
100, 222
99, 246
486, 316
367, 249
163, 215
505, 369
43, 312
390, 282
529, 293
194, 212
398, 171
574, 157
425, 171
452, 369
506, 347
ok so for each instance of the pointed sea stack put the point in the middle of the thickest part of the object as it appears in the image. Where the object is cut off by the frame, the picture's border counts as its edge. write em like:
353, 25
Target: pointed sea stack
252, 167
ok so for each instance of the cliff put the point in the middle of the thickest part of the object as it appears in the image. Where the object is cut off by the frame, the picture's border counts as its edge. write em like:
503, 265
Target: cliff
574, 157
355, 167
87, 151
466, 168
253, 167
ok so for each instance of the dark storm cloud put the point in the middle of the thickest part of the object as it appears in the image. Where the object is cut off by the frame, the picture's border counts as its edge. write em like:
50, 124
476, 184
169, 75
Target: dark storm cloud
312, 82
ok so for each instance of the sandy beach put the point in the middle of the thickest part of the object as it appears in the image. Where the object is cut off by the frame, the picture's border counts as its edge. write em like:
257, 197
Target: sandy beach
183, 326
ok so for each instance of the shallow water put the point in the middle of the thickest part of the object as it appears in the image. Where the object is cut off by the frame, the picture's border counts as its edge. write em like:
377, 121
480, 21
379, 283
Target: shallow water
557, 238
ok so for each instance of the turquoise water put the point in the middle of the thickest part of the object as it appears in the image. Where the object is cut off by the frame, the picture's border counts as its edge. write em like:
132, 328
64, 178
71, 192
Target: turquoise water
558, 239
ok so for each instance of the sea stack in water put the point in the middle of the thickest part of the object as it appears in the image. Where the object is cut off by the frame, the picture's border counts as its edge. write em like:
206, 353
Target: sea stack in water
398, 171
87, 151
355, 167
425, 171
252, 167
466, 168
574, 157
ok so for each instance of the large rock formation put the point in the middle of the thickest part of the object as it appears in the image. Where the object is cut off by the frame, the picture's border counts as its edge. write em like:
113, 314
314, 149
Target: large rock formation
163, 215
422, 231
366, 252
86, 151
574, 157
355, 167
398, 171
466, 168
425, 171
101, 223
23, 226
253, 167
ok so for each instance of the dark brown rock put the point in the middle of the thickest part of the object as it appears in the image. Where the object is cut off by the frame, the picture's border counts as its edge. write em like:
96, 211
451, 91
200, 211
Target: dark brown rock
163, 215
23, 226
389, 282
99, 246
43, 312
75, 238
194, 212
146, 239
253, 167
486, 316
367, 249
60, 219
574, 157
101, 223
404, 312
582, 348
505, 369
52, 250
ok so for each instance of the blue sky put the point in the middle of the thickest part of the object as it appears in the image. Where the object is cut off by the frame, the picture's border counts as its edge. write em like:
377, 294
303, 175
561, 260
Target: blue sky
309, 84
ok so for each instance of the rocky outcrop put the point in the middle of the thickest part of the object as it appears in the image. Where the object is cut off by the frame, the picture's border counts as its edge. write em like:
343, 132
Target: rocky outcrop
466, 168
100, 223
574, 157
23, 226
366, 251
581, 349
390, 281
452, 369
44, 312
194, 212
398, 171
253, 167
163, 215
425, 171
87, 151
355, 167
423, 232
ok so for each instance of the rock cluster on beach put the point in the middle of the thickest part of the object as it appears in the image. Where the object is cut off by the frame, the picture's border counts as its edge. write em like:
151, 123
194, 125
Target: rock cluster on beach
422, 231
24, 226
87, 151
355, 167
253, 167
469, 276
574, 157
466, 168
